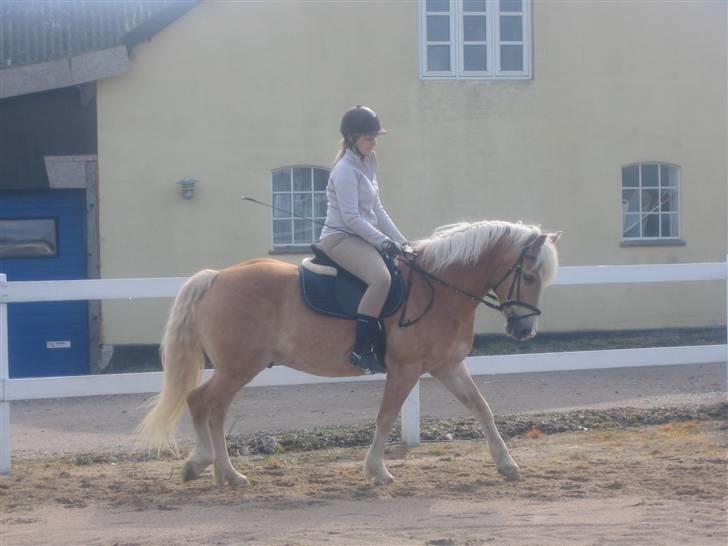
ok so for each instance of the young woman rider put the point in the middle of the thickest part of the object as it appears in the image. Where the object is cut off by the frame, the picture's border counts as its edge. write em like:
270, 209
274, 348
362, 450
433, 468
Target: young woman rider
358, 227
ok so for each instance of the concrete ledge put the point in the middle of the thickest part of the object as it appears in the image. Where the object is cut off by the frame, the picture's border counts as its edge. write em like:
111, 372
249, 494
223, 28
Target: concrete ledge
280, 250
67, 171
653, 242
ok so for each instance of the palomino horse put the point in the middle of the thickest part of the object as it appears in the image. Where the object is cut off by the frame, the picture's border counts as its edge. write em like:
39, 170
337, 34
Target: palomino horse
249, 315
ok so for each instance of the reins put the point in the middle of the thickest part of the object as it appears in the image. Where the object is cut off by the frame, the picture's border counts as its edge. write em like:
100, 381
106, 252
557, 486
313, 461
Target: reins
410, 260
516, 268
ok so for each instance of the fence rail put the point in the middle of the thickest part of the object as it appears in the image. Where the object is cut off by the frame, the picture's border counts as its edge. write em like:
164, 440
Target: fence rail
106, 289
167, 287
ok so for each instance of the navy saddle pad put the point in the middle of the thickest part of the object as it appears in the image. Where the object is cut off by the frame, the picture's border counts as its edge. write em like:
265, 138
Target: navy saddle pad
331, 290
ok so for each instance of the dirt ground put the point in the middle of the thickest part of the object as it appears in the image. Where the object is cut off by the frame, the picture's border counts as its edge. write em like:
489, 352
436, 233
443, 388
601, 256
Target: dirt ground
645, 485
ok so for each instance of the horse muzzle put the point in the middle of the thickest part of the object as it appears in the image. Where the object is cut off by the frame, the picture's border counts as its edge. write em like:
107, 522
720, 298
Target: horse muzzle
521, 328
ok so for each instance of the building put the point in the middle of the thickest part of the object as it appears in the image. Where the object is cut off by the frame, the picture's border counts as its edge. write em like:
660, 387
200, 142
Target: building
51, 55
606, 120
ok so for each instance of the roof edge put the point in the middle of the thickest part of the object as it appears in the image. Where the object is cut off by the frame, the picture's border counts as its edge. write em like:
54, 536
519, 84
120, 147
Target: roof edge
88, 67
157, 23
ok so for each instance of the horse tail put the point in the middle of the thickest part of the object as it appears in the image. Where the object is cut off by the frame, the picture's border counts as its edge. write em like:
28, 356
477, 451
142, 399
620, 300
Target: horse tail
182, 361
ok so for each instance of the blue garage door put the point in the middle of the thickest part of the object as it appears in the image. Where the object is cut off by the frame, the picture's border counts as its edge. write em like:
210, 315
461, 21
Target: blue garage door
43, 237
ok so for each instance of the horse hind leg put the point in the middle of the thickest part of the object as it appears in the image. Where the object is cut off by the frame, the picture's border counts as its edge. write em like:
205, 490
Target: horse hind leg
226, 388
203, 455
460, 383
208, 406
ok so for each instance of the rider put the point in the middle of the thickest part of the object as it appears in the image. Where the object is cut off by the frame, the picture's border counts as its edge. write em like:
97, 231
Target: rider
358, 228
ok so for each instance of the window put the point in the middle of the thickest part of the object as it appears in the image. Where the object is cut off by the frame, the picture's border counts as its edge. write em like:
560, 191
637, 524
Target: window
475, 39
298, 193
34, 238
650, 201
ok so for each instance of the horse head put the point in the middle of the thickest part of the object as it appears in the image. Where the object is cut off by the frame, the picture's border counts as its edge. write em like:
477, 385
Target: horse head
519, 289
515, 261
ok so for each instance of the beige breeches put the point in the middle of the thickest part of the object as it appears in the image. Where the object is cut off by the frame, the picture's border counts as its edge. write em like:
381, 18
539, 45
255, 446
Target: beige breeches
362, 260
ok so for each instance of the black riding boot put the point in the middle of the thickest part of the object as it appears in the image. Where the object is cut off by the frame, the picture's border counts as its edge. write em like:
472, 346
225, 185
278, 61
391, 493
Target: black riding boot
362, 356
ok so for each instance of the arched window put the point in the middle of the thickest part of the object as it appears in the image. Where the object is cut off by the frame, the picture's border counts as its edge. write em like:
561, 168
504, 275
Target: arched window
299, 201
650, 201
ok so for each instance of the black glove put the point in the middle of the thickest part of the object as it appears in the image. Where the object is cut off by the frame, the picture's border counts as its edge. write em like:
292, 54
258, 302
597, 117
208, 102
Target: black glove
391, 248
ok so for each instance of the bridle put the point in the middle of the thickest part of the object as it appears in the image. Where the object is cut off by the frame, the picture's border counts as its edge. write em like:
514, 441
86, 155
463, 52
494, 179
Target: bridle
516, 269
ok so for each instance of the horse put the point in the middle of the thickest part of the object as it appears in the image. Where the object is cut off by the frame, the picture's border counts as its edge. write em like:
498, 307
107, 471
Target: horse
249, 315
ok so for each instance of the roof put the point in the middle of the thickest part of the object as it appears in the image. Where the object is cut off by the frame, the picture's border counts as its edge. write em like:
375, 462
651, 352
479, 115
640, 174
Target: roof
36, 31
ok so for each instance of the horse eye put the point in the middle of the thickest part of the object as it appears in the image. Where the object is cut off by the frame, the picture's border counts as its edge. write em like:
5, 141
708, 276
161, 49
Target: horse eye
530, 279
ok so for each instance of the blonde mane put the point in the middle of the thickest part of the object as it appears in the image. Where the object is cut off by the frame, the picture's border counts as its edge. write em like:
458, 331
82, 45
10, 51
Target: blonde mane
465, 243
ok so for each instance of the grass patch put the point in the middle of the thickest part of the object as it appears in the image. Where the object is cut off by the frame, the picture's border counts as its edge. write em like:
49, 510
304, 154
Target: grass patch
490, 344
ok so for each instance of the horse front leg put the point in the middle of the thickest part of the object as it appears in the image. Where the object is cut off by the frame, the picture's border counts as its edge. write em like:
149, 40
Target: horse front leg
460, 383
398, 386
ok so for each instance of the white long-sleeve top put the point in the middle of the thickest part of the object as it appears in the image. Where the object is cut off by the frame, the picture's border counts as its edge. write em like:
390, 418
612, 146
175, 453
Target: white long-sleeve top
353, 201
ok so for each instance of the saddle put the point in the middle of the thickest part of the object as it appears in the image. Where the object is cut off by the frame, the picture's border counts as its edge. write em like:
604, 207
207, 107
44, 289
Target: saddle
331, 290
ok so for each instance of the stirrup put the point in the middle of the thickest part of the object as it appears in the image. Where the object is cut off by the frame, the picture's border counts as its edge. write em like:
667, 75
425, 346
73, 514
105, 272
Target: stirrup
367, 362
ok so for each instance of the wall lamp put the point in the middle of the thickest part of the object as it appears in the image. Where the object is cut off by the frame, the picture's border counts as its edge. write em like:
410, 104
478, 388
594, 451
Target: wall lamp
187, 187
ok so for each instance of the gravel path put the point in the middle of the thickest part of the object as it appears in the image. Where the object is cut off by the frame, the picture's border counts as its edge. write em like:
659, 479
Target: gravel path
77, 425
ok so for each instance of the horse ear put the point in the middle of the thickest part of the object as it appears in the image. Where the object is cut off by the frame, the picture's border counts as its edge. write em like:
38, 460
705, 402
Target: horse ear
538, 243
555, 236
541, 239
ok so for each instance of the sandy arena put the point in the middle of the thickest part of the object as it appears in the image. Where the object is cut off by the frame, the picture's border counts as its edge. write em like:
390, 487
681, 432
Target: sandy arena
662, 484
646, 485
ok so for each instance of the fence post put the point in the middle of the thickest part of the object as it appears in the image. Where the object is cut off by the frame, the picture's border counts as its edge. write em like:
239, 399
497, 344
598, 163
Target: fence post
4, 376
410, 421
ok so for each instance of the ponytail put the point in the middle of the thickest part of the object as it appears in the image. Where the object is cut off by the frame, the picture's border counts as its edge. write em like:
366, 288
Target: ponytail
342, 150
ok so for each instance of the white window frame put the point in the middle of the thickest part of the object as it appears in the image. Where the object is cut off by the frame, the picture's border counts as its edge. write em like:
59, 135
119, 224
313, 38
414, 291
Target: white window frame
457, 71
658, 209
315, 228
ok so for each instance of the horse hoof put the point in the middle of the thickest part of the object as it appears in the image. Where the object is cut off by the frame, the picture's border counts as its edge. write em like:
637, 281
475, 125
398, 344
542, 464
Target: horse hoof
234, 478
193, 470
386, 479
238, 480
510, 473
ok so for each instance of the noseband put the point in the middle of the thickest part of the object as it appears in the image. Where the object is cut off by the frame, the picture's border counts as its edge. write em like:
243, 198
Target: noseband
516, 269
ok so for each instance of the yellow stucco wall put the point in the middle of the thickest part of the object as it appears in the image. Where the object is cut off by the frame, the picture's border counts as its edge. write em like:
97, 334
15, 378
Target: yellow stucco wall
234, 89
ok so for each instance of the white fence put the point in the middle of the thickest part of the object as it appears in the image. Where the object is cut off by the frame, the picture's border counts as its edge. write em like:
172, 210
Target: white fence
104, 289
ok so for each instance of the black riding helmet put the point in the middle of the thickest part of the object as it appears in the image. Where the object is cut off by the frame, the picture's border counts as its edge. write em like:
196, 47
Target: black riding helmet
360, 120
